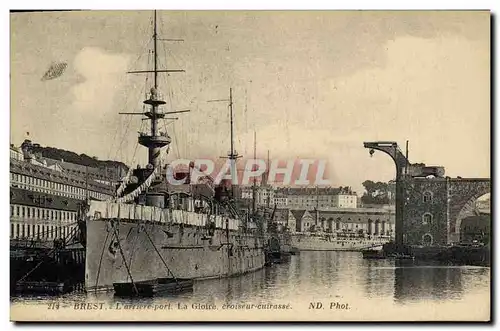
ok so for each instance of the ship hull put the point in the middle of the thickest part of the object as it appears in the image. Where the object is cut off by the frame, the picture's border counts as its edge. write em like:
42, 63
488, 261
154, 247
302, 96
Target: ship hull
309, 242
125, 251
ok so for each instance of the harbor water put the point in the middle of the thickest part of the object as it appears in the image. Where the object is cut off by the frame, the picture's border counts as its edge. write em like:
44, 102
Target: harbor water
340, 285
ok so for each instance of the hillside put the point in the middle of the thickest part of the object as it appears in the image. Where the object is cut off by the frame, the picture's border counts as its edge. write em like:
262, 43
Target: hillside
82, 159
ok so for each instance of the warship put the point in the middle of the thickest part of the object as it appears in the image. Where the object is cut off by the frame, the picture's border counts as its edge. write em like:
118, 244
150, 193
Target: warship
164, 224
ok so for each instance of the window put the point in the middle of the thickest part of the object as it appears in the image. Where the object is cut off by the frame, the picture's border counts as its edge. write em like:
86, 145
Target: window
427, 196
11, 211
427, 219
427, 239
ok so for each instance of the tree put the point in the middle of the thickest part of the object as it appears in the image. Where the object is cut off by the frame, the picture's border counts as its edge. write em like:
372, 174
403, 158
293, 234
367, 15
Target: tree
378, 193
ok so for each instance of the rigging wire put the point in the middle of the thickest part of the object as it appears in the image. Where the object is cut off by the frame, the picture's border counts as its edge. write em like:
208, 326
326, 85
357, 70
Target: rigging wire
187, 140
123, 140
146, 46
166, 85
127, 98
171, 104
163, 79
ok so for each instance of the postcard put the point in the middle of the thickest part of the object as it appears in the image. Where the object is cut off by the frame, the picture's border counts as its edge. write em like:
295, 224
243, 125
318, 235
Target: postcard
250, 166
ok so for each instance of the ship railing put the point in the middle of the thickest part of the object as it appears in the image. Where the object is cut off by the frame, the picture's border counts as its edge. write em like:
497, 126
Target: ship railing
112, 210
31, 243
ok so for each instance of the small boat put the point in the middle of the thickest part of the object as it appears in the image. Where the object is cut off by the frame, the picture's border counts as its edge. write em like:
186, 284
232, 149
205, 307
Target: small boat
277, 258
274, 253
373, 254
153, 287
402, 256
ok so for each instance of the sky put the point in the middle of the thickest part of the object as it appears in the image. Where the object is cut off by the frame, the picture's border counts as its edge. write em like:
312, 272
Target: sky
311, 84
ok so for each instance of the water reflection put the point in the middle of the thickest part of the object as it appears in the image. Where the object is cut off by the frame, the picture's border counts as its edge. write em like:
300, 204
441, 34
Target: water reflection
325, 276
436, 281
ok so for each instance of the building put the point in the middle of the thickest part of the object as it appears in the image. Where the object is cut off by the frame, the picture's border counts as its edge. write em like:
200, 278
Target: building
426, 212
45, 197
104, 175
16, 153
301, 198
369, 221
345, 200
320, 198
366, 222
283, 219
246, 192
280, 200
434, 209
265, 195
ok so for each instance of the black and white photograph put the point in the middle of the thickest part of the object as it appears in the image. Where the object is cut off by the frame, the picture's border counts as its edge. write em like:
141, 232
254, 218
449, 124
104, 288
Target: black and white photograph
250, 165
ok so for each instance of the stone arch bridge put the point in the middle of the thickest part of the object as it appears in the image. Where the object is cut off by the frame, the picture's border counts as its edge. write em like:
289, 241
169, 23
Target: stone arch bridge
429, 206
435, 207
462, 196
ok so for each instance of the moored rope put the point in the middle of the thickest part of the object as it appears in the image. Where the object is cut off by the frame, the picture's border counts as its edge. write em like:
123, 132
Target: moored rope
124, 259
100, 262
159, 254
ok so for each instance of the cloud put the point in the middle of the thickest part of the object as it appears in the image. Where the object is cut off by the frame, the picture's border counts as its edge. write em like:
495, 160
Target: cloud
102, 73
432, 92
89, 119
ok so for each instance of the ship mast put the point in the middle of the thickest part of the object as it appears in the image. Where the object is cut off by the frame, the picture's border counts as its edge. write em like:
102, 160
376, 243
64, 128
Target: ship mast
317, 205
155, 53
155, 140
254, 191
233, 154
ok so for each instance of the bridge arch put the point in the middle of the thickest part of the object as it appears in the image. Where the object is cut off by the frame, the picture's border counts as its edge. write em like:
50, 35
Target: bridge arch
463, 194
